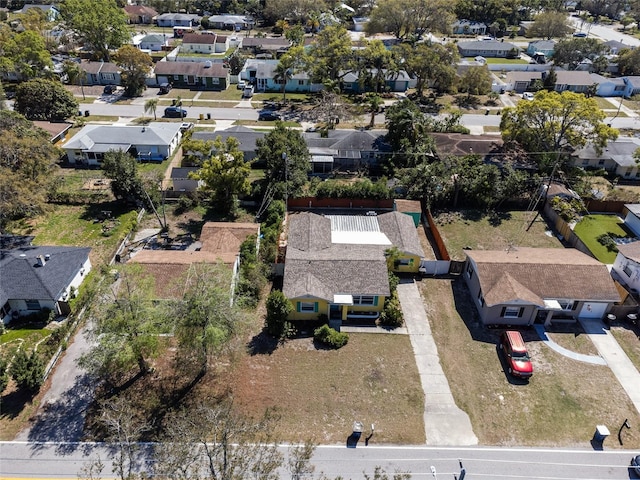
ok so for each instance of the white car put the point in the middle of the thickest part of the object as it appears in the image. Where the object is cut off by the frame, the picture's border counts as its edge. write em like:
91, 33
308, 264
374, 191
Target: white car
241, 85
527, 96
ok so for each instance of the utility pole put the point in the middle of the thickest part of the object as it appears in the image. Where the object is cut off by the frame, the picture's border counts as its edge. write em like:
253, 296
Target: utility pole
286, 182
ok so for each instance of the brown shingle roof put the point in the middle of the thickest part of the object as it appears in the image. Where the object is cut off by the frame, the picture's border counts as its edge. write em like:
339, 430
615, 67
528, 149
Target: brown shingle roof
198, 39
532, 274
140, 10
401, 230
216, 70
226, 237
461, 144
308, 231
630, 250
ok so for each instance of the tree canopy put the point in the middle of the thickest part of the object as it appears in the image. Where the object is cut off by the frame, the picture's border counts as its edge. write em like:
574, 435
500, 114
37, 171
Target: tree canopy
629, 62
101, 24
405, 18
24, 53
330, 57
45, 100
430, 63
572, 51
27, 164
122, 169
550, 24
554, 122
135, 65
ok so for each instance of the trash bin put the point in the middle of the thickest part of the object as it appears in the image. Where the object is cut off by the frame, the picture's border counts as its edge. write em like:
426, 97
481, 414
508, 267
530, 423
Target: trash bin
601, 433
201, 116
208, 116
86, 113
79, 113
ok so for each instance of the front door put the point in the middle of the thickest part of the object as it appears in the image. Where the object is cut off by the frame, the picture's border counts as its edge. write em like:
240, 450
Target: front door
335, 312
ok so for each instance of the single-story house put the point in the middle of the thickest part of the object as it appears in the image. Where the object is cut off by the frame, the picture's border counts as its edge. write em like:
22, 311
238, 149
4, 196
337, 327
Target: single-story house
140, 14
394, 81
247, 138
57, 130
203, 43
556, 189
615, 46
264, 44
609, 86
522, 286
345, 150
99, 73
359, 23
262, 73
228, 21
520, 82
200, 75
51, 12
181, 180
632, 217
487, 48
633, 86
546, 47
466, 27
35, 278
617, 157
626, 267
574, 81
152, 42
178, 20
154, 142
335, 265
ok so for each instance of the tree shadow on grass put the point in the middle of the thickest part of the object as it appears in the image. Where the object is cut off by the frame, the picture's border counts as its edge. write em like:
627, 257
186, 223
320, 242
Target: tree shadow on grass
262, 344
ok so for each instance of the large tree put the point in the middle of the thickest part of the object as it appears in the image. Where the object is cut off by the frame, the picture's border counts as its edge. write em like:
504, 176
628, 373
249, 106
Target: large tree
24, 53
476, 81
225, 174
122, 169
572, 51
629, 62
331, 56
286, 158
430, 63
405, 18
27, 167
101, 24
556, 122
375, 65
45, 100
296, 11
550, 24
135, 65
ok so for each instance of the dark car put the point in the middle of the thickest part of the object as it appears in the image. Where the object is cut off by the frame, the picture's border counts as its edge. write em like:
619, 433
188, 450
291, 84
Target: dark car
268, 116
516, 355
165, 87
175, 112
109, 89
635, 464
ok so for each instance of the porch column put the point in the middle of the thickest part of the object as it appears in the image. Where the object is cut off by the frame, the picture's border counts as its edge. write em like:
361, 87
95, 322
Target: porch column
547, 321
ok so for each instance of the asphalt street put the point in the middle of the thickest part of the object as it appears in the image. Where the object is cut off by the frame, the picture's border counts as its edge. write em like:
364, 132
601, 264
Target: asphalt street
58, 461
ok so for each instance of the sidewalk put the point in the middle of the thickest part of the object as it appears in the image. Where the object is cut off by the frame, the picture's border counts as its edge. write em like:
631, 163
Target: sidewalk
444, 422
624, 370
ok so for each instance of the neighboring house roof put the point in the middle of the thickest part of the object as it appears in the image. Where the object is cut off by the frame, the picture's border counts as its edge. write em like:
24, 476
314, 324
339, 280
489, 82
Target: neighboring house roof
461, 144
198, 69
267, 69
154, 38
621, 151
114, 137
44, 8
178, 16
513, 77
634, 81
487, 45
401, 230
616, 46
556, 189
346, 143
99, 67
182, 172
199, 39
24, 279
542, 44
140, 10
52, 128
531, 275
630, 251
247, 137
573, 77
226, 237
600, 80
230, 19
265, 43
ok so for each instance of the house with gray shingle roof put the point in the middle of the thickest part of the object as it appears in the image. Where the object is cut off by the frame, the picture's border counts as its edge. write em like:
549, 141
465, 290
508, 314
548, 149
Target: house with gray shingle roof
335, 265
546, 47
633, 86
626, 267
154, 142
99, 73
520, 82
487, 48
247, 138
526, 285
140, 14
618, 157
576, 81
207, 75
178, 20
36, 278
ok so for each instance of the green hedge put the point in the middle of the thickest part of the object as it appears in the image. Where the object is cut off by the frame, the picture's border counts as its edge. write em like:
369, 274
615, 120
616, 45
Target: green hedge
330, 337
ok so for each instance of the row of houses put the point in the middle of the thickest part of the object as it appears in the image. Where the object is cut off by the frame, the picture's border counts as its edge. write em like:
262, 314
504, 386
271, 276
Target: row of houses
576, 81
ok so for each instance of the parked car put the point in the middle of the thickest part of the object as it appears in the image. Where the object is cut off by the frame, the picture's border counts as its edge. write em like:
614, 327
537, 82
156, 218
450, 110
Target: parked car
527, 96
268, 116
165, 87
175, 112
109, 89
579, 34
241, 85
516, 355
247, 92
635, 463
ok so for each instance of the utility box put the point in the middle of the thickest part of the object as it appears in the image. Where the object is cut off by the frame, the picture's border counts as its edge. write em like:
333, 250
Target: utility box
601, 433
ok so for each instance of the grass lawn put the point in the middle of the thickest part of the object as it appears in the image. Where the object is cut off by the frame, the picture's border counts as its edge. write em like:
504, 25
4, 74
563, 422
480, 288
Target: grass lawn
560, 405
504, 61
231, 93
591, 227
629, 341
474, 229
320, 392
605, 104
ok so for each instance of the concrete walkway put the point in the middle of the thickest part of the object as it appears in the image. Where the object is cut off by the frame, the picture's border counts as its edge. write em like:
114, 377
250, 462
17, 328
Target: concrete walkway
580, 357
615, 102
618, 362
444, 422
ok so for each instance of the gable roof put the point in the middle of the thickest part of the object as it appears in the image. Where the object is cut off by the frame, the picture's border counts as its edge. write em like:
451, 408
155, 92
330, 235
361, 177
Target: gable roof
199, 69
630, 251
140, 10
341, 142
620, 151
98, 67
533, 274
53, 128
28, 280
463, 144
265, 43
487, 45
246, 136
226, 237
573, 77
197, 38
401, 230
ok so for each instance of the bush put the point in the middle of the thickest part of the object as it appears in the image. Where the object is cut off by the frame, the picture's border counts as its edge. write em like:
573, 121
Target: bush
330, 337
27, 371
4, 377
391, 316
278, 309
185, 203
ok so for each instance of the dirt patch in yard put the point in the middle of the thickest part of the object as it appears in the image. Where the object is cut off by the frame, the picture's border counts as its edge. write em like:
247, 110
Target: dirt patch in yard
559, 406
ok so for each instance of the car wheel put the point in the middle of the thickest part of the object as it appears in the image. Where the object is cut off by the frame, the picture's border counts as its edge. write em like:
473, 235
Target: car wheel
510, 370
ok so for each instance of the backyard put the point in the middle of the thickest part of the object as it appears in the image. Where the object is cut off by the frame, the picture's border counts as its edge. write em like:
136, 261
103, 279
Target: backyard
599, 234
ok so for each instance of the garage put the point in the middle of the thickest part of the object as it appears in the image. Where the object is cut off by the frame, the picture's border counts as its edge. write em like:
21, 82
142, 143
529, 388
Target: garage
593, 310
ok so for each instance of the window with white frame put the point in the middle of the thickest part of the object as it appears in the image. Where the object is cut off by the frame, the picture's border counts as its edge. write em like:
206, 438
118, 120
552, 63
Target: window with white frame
364, 300
566, 304
627, 270
307, 307
511, 312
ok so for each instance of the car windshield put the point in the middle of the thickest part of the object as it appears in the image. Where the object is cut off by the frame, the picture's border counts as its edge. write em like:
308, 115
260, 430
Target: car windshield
522, 356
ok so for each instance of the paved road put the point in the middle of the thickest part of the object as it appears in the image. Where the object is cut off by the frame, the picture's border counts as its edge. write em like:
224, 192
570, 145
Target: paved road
604, 32
21, 460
